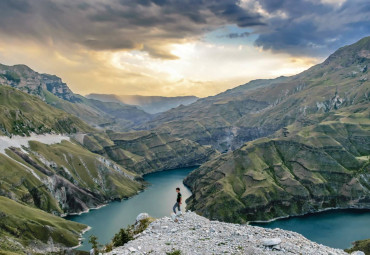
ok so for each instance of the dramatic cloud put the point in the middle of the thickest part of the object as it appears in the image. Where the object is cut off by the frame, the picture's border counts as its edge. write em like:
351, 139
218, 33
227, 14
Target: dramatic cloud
120, 24
175, 47
312, 27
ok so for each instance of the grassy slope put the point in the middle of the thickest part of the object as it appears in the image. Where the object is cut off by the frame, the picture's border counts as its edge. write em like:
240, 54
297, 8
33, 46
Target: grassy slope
20, 224
21, 114
66, 169
302, 169
146, 151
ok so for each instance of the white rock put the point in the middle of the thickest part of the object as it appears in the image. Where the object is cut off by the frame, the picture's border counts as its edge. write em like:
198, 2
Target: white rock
132, 249
358, 253
179, 213
142, 216
156, 225
222, 238
271, 241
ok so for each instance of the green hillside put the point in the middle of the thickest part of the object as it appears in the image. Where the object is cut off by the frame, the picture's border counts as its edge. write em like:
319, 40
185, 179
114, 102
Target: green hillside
21, 114
303, 168
22, 226
146, 151
316, 146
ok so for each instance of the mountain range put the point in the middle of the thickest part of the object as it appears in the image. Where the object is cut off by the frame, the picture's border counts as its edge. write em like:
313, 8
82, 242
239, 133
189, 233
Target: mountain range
267, 149
150, 104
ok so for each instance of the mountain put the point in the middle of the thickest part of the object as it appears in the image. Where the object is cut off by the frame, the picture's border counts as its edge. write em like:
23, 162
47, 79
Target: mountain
147, 151
54, 91
150, 104
261, 107
302, 169
318, 156
42, 166
21, 114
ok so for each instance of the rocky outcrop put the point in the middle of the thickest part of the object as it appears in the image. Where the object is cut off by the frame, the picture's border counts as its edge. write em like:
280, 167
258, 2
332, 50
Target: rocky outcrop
192, 234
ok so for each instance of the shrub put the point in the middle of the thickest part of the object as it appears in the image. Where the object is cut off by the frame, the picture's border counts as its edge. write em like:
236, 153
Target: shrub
108, 247
127, 234
123, 236
94, 243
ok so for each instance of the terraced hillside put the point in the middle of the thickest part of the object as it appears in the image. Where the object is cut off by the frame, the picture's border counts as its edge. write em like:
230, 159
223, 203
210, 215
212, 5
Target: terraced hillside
261, 107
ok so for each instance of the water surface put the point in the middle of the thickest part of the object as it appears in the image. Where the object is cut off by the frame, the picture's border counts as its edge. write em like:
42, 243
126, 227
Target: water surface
334, 228
157, 200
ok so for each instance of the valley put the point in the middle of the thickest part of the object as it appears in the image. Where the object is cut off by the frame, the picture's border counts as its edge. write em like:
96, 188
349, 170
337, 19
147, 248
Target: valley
267, 149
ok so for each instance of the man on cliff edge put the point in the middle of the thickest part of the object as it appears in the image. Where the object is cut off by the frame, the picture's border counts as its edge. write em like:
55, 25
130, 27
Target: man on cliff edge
178, 201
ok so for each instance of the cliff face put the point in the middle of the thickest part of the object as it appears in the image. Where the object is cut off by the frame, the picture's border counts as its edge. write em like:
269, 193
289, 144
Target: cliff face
146, 151
302, 169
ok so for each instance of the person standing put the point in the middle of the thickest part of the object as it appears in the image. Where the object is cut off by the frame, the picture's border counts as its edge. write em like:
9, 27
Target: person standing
178, 201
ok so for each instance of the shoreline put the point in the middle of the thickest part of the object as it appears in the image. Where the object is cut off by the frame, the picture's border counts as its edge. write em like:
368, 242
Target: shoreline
81, 238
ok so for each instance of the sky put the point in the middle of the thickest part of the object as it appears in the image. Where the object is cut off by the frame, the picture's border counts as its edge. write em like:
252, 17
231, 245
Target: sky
175, 47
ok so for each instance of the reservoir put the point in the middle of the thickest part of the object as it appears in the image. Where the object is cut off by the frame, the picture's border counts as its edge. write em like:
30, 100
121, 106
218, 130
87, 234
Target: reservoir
335, 228
157, 200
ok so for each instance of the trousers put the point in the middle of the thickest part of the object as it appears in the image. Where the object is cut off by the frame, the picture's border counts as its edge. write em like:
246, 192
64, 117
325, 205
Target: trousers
174, 207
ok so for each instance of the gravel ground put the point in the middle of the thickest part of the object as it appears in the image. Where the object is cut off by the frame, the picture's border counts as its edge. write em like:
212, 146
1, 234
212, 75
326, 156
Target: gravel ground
193, 234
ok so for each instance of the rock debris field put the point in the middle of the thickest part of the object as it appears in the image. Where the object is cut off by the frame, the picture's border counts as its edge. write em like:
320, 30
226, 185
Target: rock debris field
193, 234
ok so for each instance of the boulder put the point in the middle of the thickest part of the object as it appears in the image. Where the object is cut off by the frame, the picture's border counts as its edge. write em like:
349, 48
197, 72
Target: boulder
271, 241
142, 216
358, 253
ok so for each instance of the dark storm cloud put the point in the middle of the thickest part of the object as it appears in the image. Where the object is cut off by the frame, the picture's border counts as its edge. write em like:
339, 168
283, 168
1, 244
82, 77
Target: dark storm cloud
119, 24
312, 27
303, 27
